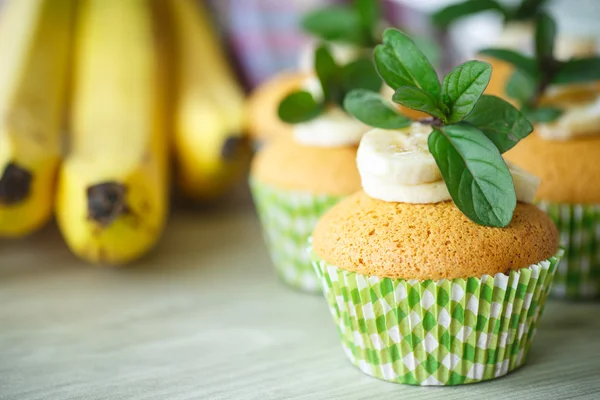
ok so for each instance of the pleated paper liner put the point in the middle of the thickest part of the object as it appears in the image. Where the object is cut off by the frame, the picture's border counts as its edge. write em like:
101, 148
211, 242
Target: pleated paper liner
288, 219
578, 273
448, 332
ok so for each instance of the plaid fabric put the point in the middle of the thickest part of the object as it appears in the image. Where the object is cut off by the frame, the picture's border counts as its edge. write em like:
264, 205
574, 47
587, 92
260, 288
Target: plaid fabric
264, 35
578, 274
437, 333
288, 219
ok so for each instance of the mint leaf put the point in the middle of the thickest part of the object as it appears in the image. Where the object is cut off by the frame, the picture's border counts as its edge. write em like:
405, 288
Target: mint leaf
502, 123
372, 109
543, 114
400, 63
360, 74
299, 107
463, 86
528, 9
579, 70
329, 75
450, 14
545, 33
521, 87
418, 99
477, 177
369, 13
430, 48
334, 23
527, 64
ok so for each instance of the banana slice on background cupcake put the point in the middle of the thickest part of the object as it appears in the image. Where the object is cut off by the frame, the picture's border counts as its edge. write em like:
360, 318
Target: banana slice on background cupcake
437, 272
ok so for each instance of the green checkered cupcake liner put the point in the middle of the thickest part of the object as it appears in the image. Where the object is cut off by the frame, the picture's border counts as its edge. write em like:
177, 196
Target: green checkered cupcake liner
288, 218
578, 274
448, 332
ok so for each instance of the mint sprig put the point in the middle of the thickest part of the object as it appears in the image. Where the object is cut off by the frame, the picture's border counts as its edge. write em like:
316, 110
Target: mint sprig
355, 25
336, 82
525, 10
470, 130
533, 75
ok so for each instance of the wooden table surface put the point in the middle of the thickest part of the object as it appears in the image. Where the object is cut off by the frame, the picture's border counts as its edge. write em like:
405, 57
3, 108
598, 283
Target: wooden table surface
204, 317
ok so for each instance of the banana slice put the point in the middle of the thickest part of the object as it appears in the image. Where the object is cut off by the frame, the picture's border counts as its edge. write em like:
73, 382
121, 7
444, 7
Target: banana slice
342, 53
396, 166
333, 128
581, 115
401, 156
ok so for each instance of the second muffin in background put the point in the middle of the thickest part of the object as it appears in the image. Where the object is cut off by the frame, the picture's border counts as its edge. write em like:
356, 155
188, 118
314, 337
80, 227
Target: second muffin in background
295, 178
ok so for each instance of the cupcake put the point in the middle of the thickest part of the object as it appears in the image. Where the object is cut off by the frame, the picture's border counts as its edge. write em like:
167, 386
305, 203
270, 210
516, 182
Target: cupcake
513, 30
438, 271
263, 123
295, 179
563, 151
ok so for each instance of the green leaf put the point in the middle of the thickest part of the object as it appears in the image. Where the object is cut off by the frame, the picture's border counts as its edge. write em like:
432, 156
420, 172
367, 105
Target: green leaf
400, 63
430, 48
360, 74
369, 13
528, 9
475, 173
543, 114
418, 99
545, 34
463, 86
328, 73
521, 87
501, 122
372, 109
527, 64
299, 107
450, 14
578, 70
334, 23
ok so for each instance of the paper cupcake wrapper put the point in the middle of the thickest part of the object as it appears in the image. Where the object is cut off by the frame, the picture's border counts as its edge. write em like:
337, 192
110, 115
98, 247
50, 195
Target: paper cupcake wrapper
448, 332
288, 219
578, 274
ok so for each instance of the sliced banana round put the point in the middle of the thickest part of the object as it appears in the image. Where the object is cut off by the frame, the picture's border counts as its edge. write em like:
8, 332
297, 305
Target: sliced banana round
400, 156
581, 117
333, 128
396, 166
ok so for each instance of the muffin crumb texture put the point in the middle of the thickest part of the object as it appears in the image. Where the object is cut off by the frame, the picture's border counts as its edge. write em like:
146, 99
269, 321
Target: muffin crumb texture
323, 170
569, 169
429, 241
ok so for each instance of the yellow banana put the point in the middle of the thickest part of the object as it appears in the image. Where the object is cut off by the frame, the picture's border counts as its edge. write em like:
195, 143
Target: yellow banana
112, 191
34, 46
211, 149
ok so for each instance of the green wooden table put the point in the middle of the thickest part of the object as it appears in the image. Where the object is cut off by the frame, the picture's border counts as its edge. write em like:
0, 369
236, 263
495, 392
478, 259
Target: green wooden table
203, 317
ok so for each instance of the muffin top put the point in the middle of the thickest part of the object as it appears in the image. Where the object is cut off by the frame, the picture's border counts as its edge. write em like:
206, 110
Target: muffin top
429, 241
261, 109
324, 170
568, 169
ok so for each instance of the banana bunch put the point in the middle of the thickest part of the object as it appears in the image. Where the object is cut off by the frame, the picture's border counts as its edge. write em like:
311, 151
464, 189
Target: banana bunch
211, 149
149, 81
34, 44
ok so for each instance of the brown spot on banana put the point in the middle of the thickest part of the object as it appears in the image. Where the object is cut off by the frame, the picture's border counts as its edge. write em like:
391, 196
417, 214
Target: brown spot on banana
233, 147
15, 184
106, 202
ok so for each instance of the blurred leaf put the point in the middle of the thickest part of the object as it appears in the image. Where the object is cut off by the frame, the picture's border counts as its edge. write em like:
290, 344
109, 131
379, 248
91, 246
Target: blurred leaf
454, 12
299, 107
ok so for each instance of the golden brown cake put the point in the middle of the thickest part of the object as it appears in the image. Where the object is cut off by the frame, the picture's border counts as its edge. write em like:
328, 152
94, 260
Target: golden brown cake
569, 169
288, 165
428, 241
262, 105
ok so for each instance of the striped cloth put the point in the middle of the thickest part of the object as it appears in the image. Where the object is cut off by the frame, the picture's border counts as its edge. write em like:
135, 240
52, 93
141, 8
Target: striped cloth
264, 37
